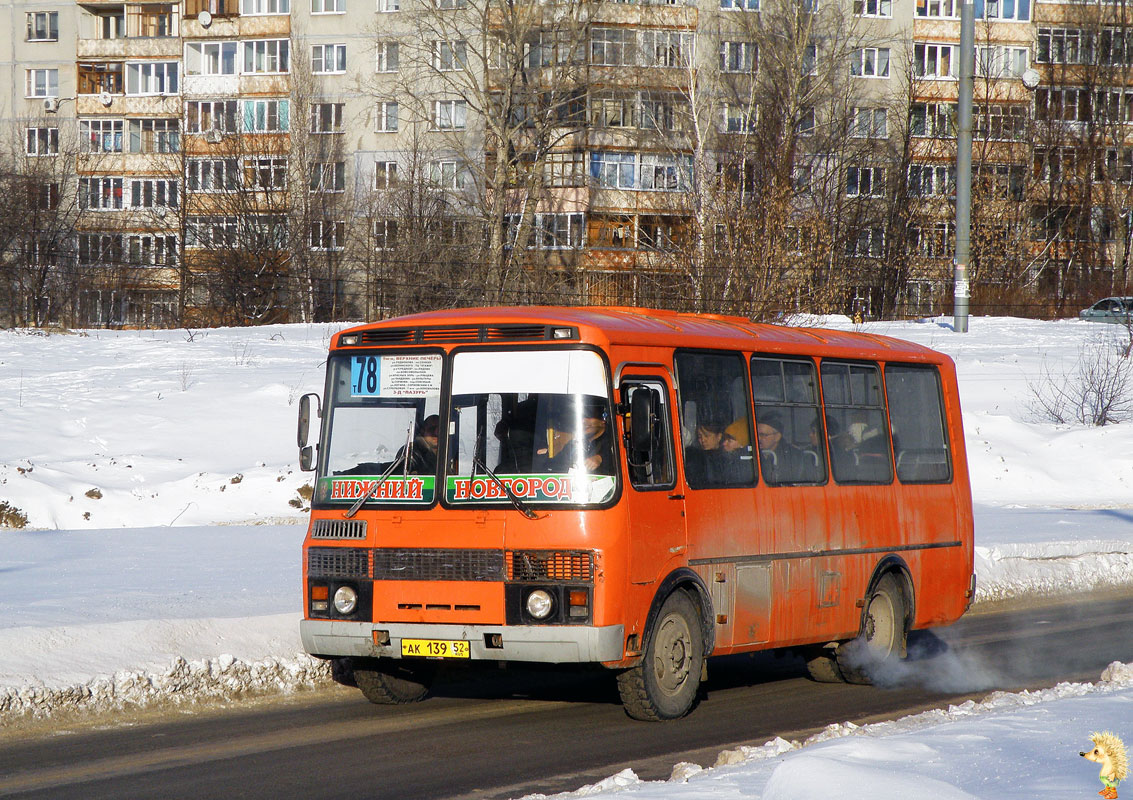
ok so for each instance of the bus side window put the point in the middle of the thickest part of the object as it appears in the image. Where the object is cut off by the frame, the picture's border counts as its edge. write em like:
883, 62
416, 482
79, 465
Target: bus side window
916, 417
787, 425
855, 423
715, 420
652, 467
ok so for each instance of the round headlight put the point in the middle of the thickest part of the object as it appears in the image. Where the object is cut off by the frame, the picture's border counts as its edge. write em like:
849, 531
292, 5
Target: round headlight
345, 600
539, 604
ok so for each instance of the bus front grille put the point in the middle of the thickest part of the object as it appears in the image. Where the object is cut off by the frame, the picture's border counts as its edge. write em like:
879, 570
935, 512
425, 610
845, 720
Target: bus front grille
339, 529
413, 564
338, 562
550, 565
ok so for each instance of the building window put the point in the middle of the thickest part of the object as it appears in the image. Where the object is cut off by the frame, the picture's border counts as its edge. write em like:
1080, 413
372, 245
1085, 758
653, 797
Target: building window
385, 174
44, 196
148, 250
868, 243
1005, 181
612, 111
564, 169
42, 141
665, 173
666, 48
740, 119
739, 56
933, 61
739, 5
865, 181
210, 115
1003, 10
43, 26
869, 123
658, 112
266, 56
934, 241
611, 47
266, 116
450, 56
328, 6
101, 248
42, 83
329, 176
387, 6
1065, 46
385, 234
448, 174
933, 120
327, 235
155, 136
870, 62
220, 232
212, 175
446, 5
559, 231
614, 170
998, 61
328, 58
100, 194
327, 117
151, 20
873, 8
387, 116
99, 135
937, 8
806, 124
259, 7
1066, 105
387, 55
1005, 123
210, 58
449, 115
930, 180
266, 172
152, 77
153, 193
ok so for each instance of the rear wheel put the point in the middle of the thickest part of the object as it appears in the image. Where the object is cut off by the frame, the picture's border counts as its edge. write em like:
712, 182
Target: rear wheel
883, 633
665, 684
386, 681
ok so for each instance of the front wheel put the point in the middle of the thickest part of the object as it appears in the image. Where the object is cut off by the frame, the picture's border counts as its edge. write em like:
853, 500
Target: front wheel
385, 681
882, 637
664, 685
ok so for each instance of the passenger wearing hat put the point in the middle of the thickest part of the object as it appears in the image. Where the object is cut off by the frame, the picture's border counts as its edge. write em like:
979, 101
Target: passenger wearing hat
590, 447
780, 460
423, 458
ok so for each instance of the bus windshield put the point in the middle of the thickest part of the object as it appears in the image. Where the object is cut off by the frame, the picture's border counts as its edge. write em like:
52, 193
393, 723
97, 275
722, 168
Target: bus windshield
383, 418
537, 422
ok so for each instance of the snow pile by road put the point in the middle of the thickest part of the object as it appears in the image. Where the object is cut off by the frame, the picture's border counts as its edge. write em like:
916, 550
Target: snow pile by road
1008, 745
135, 456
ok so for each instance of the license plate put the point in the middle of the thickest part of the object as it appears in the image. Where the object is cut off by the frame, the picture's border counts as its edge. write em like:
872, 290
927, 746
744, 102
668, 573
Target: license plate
435, 648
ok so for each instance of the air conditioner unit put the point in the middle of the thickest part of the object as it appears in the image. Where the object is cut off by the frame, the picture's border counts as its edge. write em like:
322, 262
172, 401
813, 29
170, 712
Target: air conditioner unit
51, 105
213, 136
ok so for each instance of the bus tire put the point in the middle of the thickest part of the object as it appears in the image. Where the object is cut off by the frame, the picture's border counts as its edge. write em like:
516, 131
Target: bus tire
882, 636
666, 683
387, 682
822, 666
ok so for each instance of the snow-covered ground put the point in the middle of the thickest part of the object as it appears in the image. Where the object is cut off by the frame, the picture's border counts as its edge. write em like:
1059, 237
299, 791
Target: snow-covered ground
157, 471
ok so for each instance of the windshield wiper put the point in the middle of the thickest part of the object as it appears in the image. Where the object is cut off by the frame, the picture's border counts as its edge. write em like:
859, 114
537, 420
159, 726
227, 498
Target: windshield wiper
520, 506
361, 501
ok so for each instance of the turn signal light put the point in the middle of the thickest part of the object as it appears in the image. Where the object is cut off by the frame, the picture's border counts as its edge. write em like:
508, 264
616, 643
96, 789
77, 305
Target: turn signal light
320, 592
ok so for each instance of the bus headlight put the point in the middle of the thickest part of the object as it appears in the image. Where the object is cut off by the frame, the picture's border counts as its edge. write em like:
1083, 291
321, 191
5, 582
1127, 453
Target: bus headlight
539, 604
345, 600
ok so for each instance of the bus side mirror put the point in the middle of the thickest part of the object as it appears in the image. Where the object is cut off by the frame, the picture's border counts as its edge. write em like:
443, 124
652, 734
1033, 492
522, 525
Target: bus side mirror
306, 452
642, 408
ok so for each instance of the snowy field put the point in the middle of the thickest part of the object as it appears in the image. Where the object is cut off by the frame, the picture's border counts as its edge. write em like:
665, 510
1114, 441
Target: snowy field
160, 562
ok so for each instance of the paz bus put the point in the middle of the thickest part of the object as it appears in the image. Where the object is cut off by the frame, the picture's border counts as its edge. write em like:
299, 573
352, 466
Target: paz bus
634, 488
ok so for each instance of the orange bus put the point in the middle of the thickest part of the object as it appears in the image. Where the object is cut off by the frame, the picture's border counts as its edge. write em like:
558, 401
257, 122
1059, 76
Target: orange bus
636, 488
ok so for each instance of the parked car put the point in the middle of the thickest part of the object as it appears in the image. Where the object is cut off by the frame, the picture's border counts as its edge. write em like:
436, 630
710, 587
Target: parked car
1112, 309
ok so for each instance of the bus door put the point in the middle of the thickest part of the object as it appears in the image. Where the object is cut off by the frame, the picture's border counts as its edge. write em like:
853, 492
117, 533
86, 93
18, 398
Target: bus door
655, 503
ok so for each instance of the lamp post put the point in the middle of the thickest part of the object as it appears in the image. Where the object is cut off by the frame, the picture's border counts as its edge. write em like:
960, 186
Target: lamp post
960, 289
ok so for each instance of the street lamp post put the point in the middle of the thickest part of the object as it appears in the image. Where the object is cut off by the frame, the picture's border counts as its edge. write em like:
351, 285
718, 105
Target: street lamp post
960, 289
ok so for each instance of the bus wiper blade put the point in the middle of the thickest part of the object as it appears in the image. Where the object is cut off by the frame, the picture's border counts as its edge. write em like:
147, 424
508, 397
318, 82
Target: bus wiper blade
361, 501
520, 506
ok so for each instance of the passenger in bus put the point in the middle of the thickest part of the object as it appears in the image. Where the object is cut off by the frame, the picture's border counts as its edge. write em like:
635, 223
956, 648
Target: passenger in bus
781, 461
737, 453
706, 462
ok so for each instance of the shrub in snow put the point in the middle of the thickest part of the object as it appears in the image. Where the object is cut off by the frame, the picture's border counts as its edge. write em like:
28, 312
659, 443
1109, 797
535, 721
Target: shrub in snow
1097, 390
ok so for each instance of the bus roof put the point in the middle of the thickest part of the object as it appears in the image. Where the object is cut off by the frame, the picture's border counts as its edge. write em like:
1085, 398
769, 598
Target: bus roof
618, 325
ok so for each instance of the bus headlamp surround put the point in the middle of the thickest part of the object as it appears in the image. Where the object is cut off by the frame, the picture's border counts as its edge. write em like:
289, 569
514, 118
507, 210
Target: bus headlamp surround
539, 604
345, 600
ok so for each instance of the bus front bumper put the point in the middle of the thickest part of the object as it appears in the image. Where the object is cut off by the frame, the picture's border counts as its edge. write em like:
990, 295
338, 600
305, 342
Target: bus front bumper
557, 644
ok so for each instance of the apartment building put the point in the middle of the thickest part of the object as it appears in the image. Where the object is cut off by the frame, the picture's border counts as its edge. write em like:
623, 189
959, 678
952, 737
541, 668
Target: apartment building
247, 160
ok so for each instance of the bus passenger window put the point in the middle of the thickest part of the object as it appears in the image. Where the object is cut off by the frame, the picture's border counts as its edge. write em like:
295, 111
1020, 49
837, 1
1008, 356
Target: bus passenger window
787, 424
855, 423
715, 421
916, 417
651, 468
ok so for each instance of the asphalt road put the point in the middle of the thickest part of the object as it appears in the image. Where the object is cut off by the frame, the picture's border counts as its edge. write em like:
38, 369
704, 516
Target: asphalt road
505, 733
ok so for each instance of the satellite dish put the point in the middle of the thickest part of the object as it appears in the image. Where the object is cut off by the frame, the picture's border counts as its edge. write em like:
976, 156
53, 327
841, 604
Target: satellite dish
105, 98
1030, 78
205, 18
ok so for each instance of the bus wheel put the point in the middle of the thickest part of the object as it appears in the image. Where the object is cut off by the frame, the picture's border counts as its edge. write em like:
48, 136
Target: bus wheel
822, 666
387, 682
664, 685
882, 637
